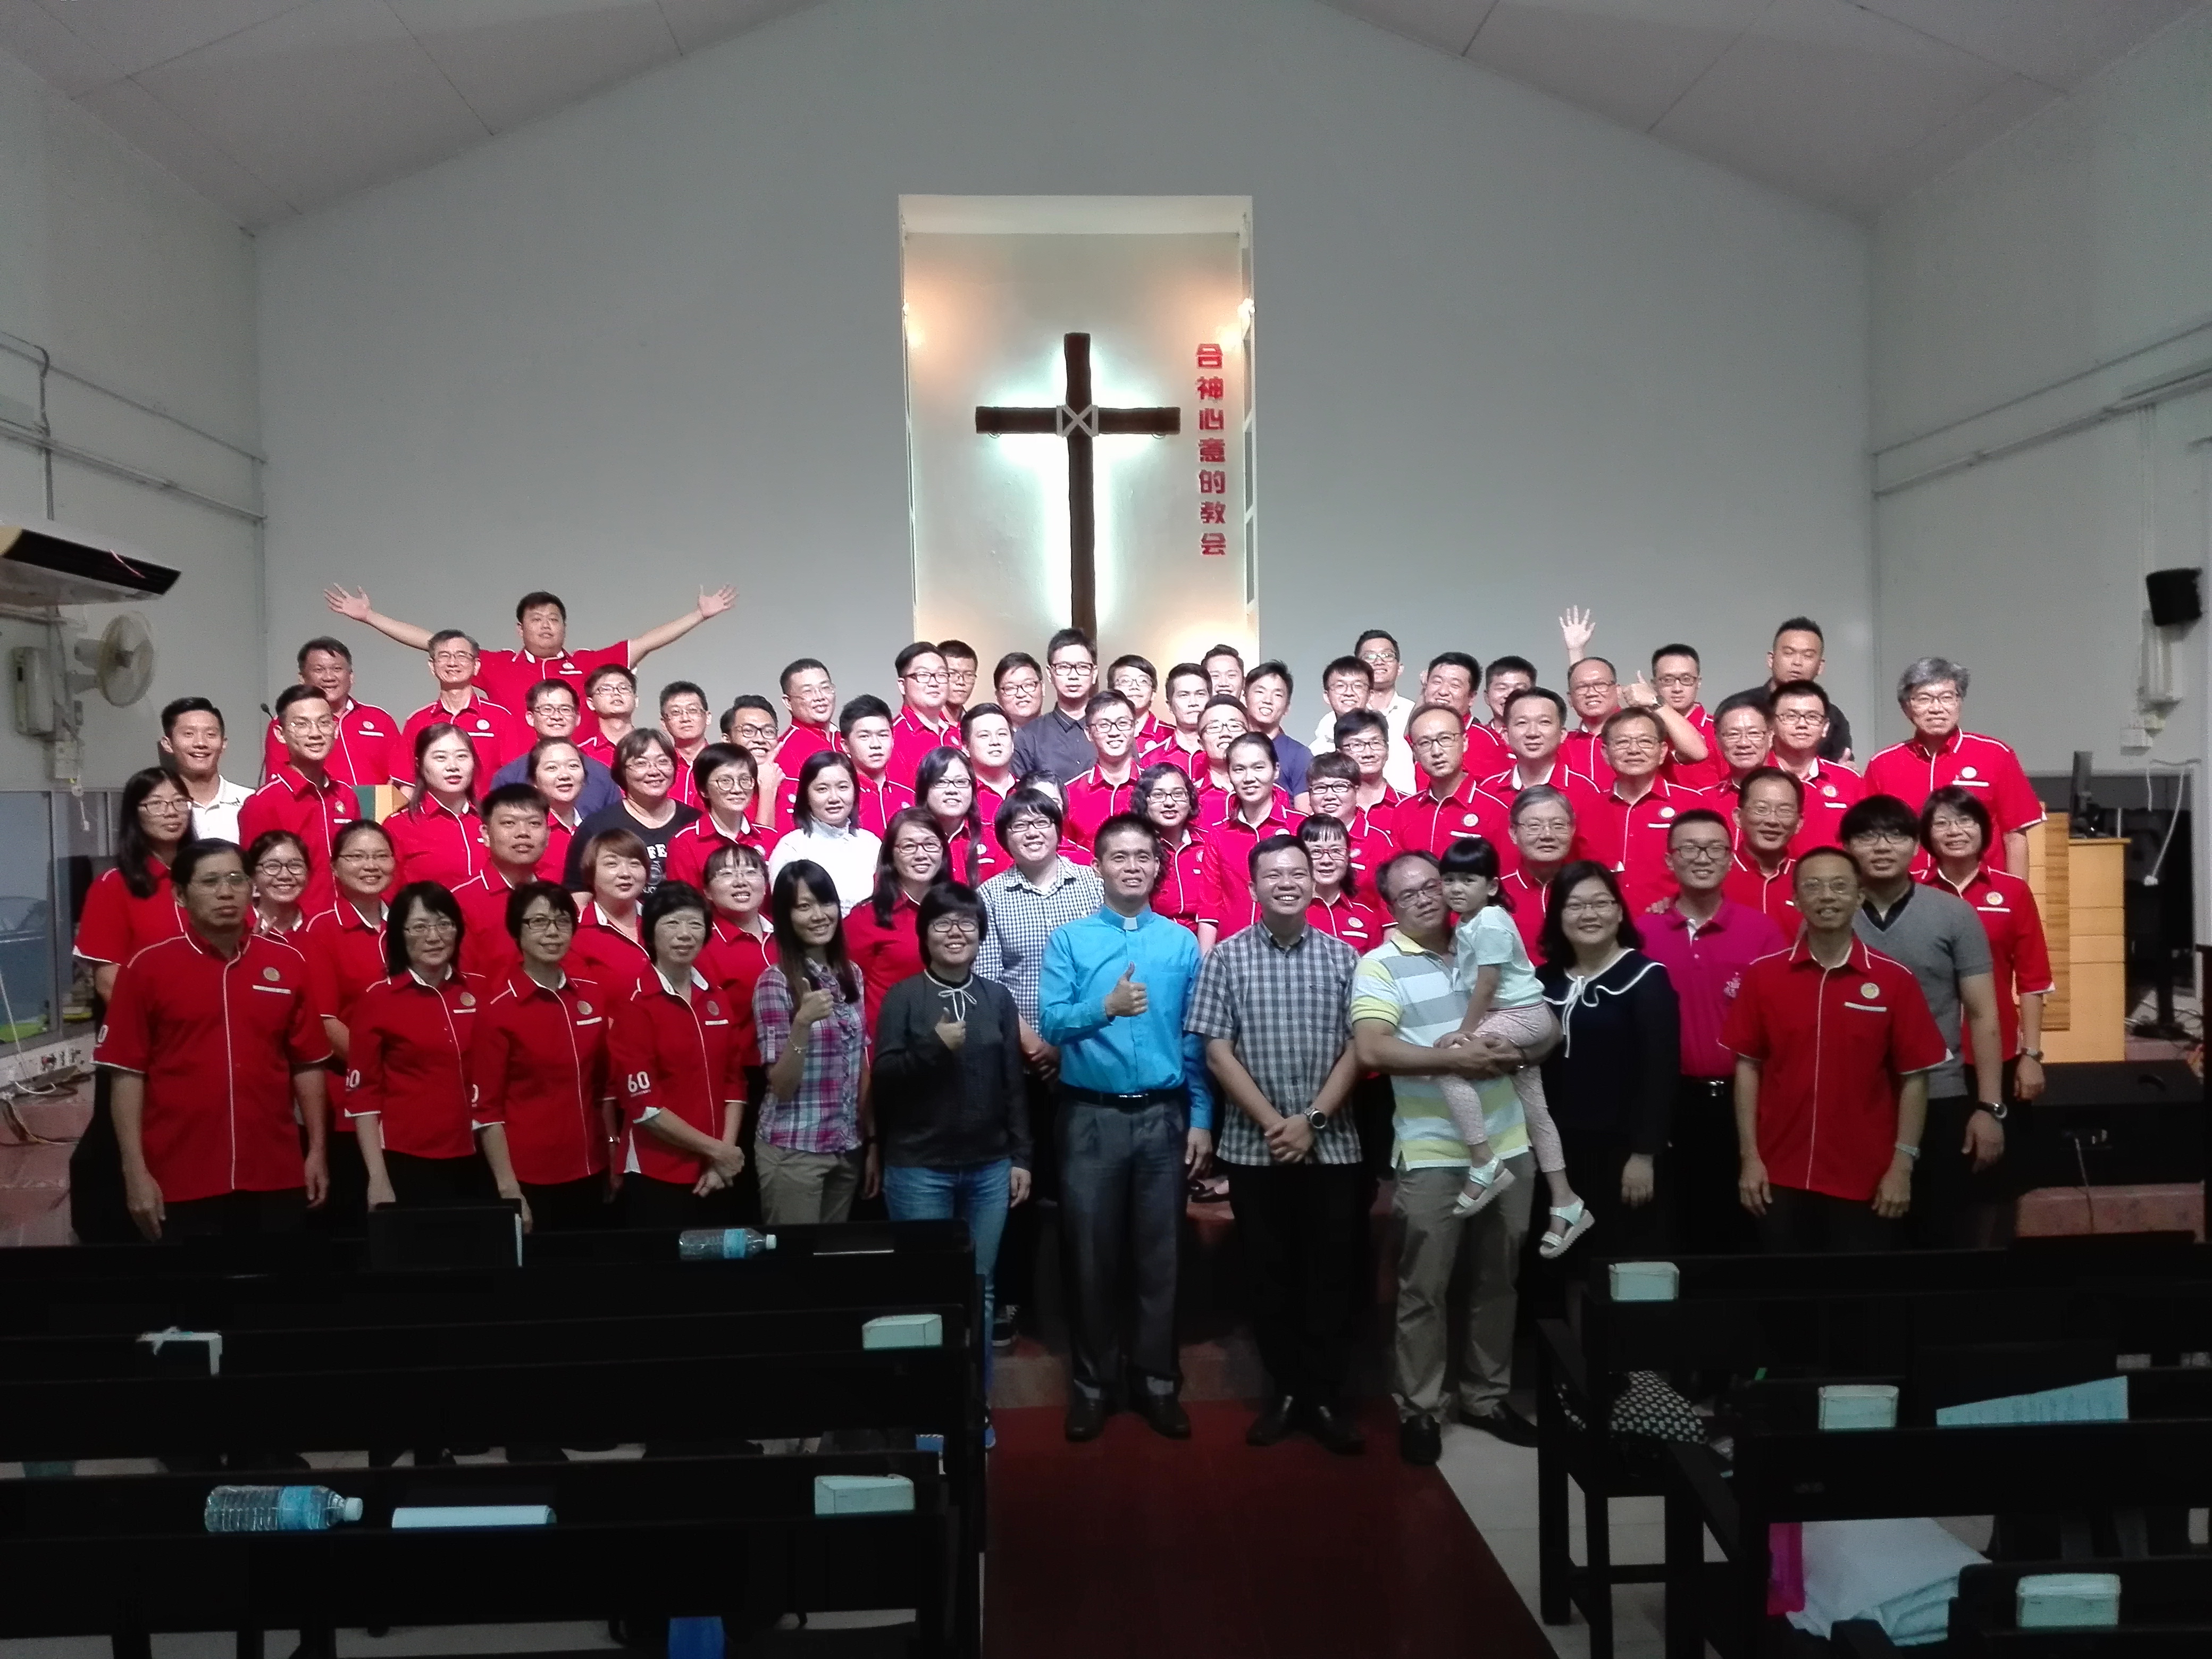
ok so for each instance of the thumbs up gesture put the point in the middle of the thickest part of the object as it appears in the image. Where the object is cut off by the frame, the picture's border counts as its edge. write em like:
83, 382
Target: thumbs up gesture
1127, 997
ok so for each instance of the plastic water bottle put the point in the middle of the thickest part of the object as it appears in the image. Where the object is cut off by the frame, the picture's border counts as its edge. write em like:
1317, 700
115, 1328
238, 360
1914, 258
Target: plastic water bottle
278, 1509
722, 1244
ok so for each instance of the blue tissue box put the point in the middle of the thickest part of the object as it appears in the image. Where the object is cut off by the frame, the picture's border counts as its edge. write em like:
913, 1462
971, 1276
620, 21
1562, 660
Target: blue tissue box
2068, 1601
1646, 1281
863, 1494
1858, 1406
904, 1331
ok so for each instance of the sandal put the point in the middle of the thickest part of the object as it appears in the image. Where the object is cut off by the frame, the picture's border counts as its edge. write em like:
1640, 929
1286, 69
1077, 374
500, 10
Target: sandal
1492, 1179
1579, 1221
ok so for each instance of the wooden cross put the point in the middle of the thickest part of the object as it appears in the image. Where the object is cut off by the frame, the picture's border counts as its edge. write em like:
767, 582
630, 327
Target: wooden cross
1079, 420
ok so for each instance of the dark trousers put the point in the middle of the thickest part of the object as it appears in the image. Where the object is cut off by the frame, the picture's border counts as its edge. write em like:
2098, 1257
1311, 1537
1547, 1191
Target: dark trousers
1698, 1177
1122, 1197
342, 1212
1304, 1230
236, 1215
1954, 1207
98, 1214
1802, 1222
567, 1207
1025, 1223
421, 1182
649, 1203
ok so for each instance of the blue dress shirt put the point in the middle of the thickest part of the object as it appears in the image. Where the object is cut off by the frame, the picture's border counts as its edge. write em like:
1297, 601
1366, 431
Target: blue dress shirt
1134, 1054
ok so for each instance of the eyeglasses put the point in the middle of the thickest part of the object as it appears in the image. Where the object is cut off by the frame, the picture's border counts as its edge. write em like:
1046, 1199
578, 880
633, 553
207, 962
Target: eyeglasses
962, 925
926, 677
1437, 743
168, 805
1633, 746
304, 723
1933, 700
1596, 907
1677, 682
1418, 889
452, 659
1593, 685
229, 881
1366, 745
364, 858
1701, 852
281, 867
1885, 837
1025, 826
1374, 658
1799, 716
1113, 728
743, 731
1948, 826
1327, 786
552, 922
429, 928
1070, 668
726, 783
1771, 814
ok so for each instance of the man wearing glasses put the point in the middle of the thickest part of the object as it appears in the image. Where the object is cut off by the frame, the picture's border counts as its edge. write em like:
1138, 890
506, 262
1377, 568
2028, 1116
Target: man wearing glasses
1798, 714
1706, 942
1768, 809
551, 714
1378, 649
1626, 828
1453, 804
301, 796
1106, 788
1941, 753
922, 724
1056, 741
492, 730
1334, 786
810, 696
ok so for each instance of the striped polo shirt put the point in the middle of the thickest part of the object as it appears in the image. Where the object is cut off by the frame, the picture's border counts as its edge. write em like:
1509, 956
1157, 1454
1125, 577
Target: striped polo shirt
1411, 991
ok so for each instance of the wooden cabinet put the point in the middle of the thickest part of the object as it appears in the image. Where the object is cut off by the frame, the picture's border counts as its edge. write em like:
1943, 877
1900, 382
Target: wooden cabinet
2080, 888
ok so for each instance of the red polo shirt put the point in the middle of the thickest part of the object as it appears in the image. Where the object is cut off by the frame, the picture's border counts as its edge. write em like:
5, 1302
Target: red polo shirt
1091, 800
885, 952
361, 753
684, 788
1215, 806
1699, 775
407, 1063
1562, 777
554, 867
218, 1040
1355, 921
1707, 965
605, 954
1528, 900
2019, 956
1486, 750
793, 749
735, 959
874, 803
1186, 893
912, 738
594, 747
345, 957
1229, 847
1831, 791
433, 842
676, 1054
1583, 751
1631, 839
990, 857
1773, 897
315, 813
1420, 822
494, 731
1833, 1045
1369, 834
537, 1063
506, 676
486, 950
690, 848
117, 924
1169, 750
1912, 772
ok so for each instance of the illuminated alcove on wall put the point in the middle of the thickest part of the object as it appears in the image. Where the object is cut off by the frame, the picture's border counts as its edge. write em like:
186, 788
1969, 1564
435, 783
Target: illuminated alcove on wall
991, 285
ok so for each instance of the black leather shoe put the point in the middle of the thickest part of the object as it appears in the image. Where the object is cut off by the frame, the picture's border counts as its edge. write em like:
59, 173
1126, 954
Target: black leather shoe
1274, 1423
1420, 1442
1513, 1429
1165, 1414
1332, 1425
1086, 1417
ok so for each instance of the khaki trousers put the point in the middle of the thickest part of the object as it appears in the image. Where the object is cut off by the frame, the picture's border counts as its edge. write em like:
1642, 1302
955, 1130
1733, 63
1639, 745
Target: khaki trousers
1479, 1258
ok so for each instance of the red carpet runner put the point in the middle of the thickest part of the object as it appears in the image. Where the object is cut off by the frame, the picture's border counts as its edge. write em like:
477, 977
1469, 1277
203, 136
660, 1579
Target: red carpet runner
1135, 1547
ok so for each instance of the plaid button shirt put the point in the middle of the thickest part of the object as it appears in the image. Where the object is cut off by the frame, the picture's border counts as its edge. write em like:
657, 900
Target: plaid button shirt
1284, 1008
824, 1115
1023, 917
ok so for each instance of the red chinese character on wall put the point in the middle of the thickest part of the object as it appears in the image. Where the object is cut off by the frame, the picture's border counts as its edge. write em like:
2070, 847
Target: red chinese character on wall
1210, 388
1214, 513
1213, 449
1214, 545
1209, 356
1210, 420
1211, 483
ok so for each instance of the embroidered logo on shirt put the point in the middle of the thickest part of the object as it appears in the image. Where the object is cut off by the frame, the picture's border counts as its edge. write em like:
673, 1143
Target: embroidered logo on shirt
1868, 988
1735, 984
713, 1006
1965, 771
271, 974
1471, 819
1827, 788
468, 998
583, 1008
1666, 811
1994, 901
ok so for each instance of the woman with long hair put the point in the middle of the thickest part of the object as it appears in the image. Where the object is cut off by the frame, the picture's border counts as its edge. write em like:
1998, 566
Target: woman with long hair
611, 945
1166, 797
344, 948
945, 786
644, 767
815, 1148
278, 865
673, 1045
823, 833
556, 767
126, 909
880, 933
407, 1084
438, 836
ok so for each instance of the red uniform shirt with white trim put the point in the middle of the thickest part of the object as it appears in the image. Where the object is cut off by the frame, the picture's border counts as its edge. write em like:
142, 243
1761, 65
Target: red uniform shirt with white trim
594, 747
554, 865
1708, 773
1091, 800
1630, 838
359, 753
1773, 897
217, 1040
676, 1054
1833, 1045
407, 1062
990, 857
1354, 920
1420, 822
432, 843
487, 952
537, 1063
1527, 902
1486, 750
1912, 771
1186, 893
885, 952
735, 959
690, 848
874, 803
1562, 777
793, 749
1831, 791
313, 812
2020, 955
605, 954
1370, 838
1707, 962
684, 788
495, 731
912, 738
1170, 751
345, 957
117, 924
1584, 753
505, 677
1229, 845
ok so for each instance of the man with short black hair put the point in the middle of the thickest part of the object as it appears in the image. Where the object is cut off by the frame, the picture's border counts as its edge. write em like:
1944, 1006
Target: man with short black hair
1135, 679
493, 731
1107, 787
1743, 741
1797, 713
1056, 741
1346, 684
362, 751
683, 719
1267, 700
193, 738
1019, 683
1535, 725
1799, 651
515, 837
959, 676
301, 796
1487, 752
1769, 807
809, 695
552, 716
1627, 827
1942, 753
1225, 670
1184, 745
923, 723
1378, 649
1594, 693
1452, 805
865, 726
1450, 679
609, 713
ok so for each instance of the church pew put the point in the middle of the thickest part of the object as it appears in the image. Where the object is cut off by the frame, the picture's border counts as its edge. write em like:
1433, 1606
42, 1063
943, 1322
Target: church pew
2162, 1457
1744, 1313
2165, 1612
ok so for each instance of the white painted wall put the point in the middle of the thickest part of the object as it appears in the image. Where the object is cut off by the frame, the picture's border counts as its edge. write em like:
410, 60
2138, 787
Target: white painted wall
126, 275
2080, 237
1511, 357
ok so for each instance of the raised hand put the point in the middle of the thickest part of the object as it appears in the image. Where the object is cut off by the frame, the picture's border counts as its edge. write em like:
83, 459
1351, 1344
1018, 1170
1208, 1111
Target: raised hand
813, 1008
952, 1033
354, 603
716, 602
1127, 997
1576, 629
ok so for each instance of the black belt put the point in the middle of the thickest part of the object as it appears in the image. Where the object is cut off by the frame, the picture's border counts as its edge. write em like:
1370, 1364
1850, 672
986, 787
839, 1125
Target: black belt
1137, 1102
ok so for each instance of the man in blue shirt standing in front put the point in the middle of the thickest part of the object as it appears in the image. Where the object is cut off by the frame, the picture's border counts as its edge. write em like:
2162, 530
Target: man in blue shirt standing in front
1136, 1124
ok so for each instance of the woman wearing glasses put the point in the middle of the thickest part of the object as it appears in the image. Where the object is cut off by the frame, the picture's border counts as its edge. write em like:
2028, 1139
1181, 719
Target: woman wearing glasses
543, 1107
881, 934
278, 863
407, 1083
344, 948
127, 909
945, 787
1166, 796
723, 775
645, 766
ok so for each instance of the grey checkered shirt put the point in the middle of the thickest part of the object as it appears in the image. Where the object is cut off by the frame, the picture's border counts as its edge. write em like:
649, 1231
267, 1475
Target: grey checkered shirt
1023, 918
1284, 1008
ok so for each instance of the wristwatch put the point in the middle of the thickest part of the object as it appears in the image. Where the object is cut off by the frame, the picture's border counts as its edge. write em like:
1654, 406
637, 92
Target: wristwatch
1318, 1119
1996, 1109
2035, 1054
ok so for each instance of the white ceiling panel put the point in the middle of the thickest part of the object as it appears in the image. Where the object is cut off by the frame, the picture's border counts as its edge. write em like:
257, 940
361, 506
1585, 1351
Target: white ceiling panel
136, 34
698, 23
328, 99
1628, 59
66, 62
2012, 102
2060, 42
511, 60
150, 124
1447, 24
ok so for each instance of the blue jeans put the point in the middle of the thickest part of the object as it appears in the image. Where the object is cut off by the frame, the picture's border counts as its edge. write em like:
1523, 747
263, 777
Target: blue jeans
976, 1193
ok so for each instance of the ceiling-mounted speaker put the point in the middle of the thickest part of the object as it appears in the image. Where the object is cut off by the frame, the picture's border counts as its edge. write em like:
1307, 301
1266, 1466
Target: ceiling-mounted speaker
2176, 599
